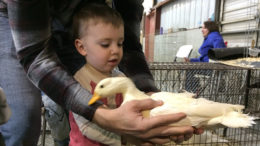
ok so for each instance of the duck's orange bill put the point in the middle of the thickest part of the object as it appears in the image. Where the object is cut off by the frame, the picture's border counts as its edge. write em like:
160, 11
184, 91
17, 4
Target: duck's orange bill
94, 98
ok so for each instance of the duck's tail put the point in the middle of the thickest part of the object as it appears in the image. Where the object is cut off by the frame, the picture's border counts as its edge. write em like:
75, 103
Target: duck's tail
237, 120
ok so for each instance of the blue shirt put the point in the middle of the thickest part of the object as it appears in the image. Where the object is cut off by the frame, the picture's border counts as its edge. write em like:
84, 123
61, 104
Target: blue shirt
213, 40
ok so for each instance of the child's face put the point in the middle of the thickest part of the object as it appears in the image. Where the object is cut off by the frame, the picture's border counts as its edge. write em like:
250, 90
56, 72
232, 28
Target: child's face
103, 45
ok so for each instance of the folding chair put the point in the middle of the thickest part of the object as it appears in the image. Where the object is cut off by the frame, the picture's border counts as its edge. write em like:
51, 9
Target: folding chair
183, 52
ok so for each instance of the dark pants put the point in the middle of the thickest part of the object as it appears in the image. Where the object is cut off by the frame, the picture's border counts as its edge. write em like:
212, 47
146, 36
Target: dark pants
2, 142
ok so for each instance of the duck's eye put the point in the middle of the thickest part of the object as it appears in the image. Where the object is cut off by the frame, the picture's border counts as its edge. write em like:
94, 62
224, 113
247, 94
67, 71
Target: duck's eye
101, 86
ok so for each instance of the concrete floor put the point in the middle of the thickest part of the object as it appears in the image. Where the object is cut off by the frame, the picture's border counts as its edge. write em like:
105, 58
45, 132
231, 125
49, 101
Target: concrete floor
48, 140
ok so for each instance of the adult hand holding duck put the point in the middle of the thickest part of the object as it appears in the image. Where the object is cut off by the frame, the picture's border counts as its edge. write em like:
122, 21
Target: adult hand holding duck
151, 130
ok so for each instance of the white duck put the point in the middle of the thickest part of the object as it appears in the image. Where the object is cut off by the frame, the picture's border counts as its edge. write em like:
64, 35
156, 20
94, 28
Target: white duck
200, 112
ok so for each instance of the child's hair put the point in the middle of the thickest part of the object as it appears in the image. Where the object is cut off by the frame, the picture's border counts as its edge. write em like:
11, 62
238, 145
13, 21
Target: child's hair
97, 13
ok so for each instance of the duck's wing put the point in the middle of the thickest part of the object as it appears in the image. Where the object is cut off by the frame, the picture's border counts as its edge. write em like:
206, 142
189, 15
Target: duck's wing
200, 112
173, 98
190, 120
176, 103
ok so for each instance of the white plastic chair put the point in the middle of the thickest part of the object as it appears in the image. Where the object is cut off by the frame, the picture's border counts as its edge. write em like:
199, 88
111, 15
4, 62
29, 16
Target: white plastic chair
183, 52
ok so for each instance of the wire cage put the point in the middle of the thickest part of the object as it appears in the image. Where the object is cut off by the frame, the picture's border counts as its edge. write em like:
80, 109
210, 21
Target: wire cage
219, 83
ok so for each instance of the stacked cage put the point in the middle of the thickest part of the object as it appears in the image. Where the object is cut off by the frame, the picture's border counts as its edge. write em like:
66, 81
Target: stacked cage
216, 82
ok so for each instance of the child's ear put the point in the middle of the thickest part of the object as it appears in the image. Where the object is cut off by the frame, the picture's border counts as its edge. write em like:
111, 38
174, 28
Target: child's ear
80, 47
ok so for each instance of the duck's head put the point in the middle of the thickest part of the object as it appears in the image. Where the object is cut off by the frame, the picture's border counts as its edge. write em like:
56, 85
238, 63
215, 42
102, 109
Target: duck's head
111, 86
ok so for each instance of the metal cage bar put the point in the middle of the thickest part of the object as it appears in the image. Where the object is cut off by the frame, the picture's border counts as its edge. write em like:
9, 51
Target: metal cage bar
219, 83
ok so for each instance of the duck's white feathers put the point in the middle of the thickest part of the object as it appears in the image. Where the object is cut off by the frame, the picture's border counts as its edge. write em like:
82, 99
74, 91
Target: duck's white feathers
200, 112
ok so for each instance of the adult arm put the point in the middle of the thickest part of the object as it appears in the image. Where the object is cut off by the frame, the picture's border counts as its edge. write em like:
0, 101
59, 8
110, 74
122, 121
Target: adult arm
30, 25
195, 60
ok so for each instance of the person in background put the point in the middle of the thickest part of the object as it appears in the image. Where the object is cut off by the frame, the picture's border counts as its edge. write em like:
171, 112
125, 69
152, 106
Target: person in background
212, 39
37, 34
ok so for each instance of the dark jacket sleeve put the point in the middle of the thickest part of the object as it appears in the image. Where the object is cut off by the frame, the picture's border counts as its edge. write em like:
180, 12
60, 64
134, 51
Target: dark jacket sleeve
133, 63
30, 25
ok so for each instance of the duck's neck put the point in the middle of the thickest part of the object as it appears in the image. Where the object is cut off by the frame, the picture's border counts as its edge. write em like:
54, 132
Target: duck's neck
134, 94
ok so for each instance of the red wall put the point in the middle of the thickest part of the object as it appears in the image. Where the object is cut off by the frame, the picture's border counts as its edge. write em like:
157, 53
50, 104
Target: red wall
149, 36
